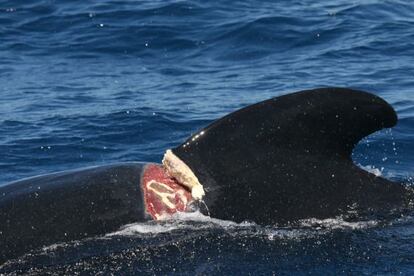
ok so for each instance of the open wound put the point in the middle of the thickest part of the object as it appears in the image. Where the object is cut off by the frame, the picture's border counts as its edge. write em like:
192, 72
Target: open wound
163, 195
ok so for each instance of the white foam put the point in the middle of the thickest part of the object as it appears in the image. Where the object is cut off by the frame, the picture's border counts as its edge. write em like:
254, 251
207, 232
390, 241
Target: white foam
305, 229
337, 223
199, 217
310, 228
56, 246
143, 228
177, 221
372, 169
196, 221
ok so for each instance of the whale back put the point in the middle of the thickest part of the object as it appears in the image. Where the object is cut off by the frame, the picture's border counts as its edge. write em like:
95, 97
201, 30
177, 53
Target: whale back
289, 157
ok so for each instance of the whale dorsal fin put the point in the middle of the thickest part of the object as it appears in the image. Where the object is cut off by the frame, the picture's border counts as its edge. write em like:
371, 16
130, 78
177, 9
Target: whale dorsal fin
296, 140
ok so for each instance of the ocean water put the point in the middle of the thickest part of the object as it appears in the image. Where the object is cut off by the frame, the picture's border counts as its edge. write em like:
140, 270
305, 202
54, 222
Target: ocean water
95, 82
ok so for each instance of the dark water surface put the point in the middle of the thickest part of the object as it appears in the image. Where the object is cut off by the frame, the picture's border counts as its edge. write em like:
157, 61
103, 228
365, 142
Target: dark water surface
95, 82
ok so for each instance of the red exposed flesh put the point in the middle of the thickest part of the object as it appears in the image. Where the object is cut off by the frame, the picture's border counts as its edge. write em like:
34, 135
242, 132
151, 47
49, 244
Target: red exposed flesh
163, 194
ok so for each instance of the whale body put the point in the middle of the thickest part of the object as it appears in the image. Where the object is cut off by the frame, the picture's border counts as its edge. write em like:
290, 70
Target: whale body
277, 161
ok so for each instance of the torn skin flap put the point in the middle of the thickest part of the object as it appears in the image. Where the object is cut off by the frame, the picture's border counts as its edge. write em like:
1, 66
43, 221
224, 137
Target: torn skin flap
183, 174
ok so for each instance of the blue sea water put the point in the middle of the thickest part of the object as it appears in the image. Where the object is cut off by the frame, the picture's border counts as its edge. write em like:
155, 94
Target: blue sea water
95, 82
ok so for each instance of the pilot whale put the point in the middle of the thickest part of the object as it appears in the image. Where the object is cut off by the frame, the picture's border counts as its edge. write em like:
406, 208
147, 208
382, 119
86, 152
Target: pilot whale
277, 161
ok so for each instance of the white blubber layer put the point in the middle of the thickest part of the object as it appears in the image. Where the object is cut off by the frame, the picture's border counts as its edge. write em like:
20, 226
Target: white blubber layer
183, 174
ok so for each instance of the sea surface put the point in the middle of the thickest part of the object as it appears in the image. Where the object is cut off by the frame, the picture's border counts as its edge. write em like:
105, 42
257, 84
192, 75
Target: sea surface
87, 83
